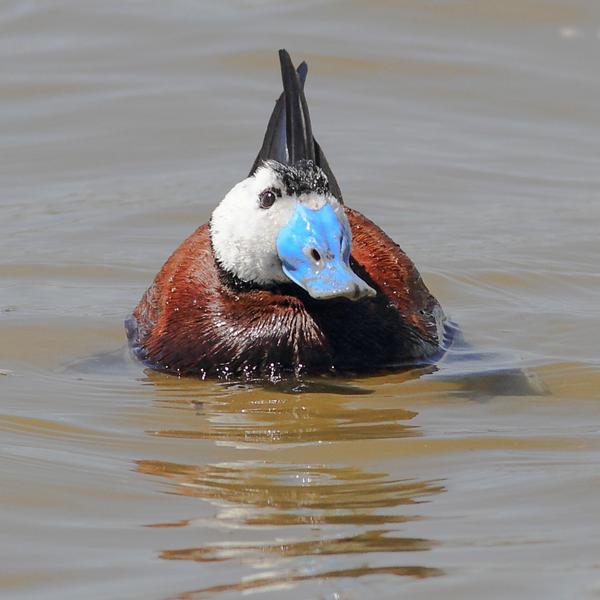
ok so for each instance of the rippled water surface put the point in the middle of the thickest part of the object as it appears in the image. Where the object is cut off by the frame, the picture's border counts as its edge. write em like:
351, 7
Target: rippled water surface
471, 131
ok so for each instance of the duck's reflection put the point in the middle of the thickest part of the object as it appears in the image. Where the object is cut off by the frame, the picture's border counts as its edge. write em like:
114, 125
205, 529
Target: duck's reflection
319, 511
250, 414
285, 514
281, 581
281, 495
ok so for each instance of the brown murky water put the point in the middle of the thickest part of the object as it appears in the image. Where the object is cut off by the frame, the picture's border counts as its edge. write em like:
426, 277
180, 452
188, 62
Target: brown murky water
471, 131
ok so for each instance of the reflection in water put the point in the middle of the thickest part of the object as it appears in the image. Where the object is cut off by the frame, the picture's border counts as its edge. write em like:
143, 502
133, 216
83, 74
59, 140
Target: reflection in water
287, 513
321, 503
294, 494
285, 580
251, 415
372, 541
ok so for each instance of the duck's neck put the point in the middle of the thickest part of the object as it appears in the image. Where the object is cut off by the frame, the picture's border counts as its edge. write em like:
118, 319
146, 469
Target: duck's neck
236, 285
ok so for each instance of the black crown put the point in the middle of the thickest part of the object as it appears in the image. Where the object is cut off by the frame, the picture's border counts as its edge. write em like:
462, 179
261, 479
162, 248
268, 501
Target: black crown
302, 178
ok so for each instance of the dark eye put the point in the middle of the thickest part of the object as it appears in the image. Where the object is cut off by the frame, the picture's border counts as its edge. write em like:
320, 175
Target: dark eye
267, 198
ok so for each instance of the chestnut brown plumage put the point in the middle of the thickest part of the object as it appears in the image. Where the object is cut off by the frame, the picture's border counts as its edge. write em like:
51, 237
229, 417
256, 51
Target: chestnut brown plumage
194, 320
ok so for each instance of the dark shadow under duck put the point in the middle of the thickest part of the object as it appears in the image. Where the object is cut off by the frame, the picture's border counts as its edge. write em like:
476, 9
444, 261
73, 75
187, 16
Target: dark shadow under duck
286, 279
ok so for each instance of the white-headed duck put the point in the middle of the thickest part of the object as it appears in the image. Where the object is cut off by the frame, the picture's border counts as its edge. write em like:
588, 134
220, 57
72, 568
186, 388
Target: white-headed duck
285, 278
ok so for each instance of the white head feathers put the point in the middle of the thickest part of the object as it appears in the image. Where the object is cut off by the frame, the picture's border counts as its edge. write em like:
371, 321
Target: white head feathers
244, 234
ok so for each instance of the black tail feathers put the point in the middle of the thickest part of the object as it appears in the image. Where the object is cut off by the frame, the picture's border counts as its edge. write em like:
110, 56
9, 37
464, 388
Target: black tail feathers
289, 137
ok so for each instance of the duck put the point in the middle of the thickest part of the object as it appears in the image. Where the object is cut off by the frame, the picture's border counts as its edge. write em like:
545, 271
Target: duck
285, 278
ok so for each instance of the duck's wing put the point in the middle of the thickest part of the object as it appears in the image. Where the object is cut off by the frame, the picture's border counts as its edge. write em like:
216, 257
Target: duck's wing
289, 136
382, 263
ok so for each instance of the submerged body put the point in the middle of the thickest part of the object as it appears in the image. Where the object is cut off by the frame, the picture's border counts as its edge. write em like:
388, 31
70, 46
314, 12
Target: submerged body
196, 319
285, 279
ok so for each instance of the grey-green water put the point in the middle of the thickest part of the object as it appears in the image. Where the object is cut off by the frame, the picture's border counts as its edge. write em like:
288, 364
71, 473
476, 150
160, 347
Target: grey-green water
471, 132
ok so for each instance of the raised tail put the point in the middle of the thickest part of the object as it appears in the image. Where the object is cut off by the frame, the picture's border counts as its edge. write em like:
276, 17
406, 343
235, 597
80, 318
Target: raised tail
289, 138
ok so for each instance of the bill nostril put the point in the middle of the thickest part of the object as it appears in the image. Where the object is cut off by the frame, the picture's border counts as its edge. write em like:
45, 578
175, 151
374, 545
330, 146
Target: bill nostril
315, 255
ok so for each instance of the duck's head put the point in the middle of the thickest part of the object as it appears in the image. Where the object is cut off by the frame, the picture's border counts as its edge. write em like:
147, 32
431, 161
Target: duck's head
282, 224
285, 222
